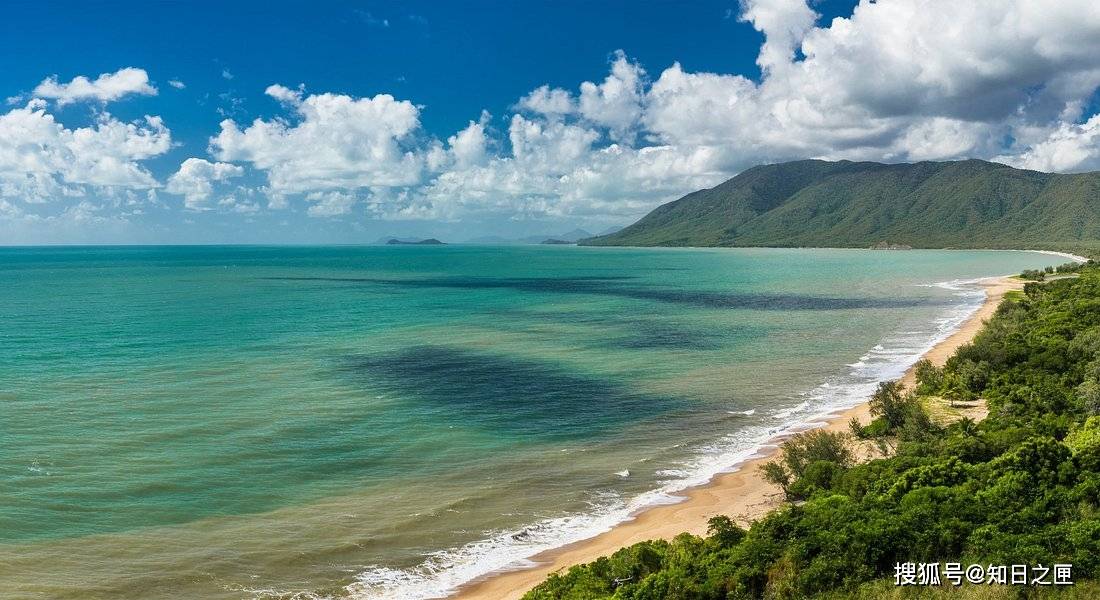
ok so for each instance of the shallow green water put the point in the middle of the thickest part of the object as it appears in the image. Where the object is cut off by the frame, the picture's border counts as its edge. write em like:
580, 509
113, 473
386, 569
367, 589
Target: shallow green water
232, 422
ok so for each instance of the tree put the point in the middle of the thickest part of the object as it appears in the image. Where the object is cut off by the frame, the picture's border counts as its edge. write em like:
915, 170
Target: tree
890, 401
814, 445
723, 530
1089, 393
929, 377
955, 388
776, 474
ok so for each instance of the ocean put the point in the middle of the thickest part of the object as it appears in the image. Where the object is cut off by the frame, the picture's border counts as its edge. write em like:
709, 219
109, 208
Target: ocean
390, 422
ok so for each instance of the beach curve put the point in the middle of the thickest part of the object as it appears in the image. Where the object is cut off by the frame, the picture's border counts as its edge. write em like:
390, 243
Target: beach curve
740, 493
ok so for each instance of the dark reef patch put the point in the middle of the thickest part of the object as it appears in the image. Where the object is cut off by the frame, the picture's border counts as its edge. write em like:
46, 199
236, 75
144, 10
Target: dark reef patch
617, 287
638, 331
649, 334
516, 395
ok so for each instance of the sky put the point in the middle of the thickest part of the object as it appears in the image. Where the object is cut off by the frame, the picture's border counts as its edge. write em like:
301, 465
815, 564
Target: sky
346, 122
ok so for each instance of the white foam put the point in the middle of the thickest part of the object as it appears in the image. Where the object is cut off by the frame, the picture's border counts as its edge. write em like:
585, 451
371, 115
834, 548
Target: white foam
892, 358
441, 573
1073, 257
789, 412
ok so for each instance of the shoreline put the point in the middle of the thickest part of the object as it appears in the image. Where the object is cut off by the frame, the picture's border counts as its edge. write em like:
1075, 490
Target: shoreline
740, 493
1074, 257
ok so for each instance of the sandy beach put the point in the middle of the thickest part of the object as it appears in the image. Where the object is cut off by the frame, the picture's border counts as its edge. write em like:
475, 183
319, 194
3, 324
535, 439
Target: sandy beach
742, 494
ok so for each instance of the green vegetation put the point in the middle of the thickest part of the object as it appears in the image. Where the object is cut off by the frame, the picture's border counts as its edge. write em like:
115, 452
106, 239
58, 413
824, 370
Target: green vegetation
1065, 269
1020, 487
813, 203
811, 461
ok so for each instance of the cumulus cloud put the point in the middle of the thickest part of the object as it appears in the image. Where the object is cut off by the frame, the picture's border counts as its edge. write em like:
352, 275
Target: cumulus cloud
195, 180
176, 83
41, 159
469, 146
902, 80
286, 95
784, 23
615, 104
330, 204
337, 142
240, 202
546, 101
105, 88
895, 81
1069, 148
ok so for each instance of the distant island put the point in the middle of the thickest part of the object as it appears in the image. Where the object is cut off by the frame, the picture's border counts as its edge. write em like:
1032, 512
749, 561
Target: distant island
569, 237
427, 242
557, 242
816, 203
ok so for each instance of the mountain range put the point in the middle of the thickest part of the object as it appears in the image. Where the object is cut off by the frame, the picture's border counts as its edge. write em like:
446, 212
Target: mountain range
816, 203
570, 236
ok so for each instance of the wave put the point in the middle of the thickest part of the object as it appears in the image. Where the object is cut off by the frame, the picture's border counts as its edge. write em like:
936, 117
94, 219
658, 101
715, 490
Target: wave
891, 358
443, 572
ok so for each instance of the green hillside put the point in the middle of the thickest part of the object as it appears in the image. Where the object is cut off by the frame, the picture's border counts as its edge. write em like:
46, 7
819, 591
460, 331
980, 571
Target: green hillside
814, 203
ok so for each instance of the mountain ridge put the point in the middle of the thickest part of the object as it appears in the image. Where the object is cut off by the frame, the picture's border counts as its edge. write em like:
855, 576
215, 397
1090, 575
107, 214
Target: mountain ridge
815, 203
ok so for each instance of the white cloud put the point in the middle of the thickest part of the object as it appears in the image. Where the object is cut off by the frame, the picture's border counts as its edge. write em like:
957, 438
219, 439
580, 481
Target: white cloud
614, 104
784, 23
617, 102
330, 204
469, 146
41, 159
898, 80
234, 204
551, 146
195, 180
1069, 148
286, 95
105, 88
548, 101
339, 142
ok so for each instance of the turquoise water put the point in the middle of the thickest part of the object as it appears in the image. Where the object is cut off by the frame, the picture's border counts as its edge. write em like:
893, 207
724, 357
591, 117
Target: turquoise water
239, 422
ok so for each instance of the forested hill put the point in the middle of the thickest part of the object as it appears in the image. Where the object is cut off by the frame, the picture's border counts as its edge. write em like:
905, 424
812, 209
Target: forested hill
815, 203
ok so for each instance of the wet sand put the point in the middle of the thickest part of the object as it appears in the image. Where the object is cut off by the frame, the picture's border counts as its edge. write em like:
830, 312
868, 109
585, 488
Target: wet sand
743, 494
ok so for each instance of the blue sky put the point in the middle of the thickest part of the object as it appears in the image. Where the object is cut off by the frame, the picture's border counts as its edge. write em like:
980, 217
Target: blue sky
679, 96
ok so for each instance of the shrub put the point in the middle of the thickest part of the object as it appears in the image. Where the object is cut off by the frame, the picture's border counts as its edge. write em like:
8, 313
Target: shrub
890, 401
929, 377
816, 445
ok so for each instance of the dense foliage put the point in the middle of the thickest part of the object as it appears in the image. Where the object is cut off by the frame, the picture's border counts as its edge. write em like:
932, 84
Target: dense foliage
1020, 487
1065, 269
813, 203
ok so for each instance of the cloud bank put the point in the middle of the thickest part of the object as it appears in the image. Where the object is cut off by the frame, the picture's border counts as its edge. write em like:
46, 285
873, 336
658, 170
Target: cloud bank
904, 80
898, 80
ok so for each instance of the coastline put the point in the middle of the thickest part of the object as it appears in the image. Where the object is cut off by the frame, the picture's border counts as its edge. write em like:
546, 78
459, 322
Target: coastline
1074, 257
742, 494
